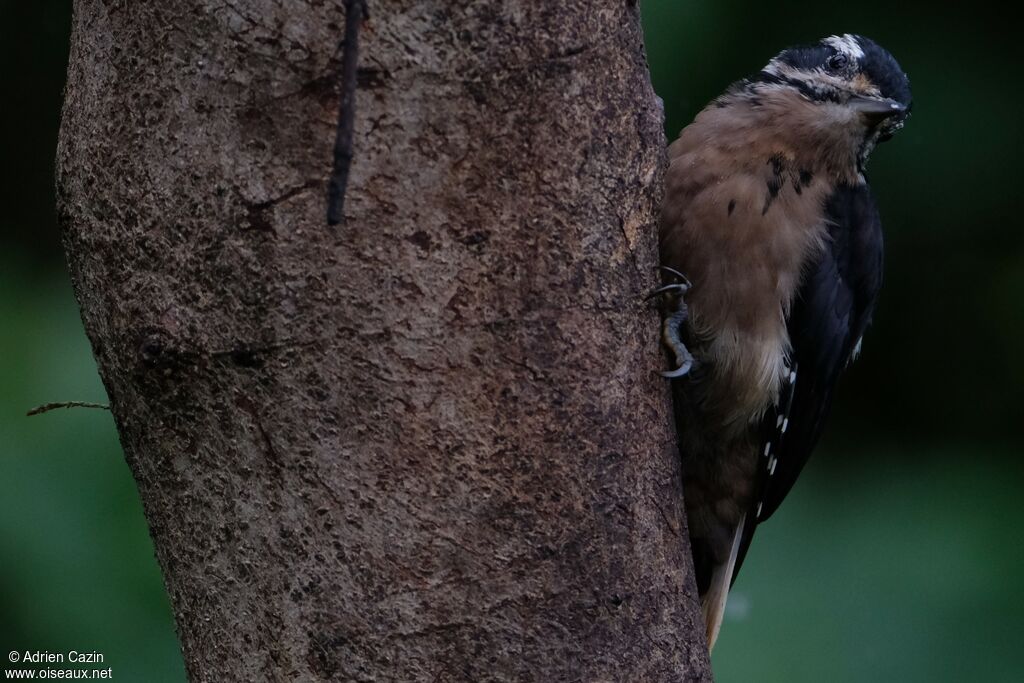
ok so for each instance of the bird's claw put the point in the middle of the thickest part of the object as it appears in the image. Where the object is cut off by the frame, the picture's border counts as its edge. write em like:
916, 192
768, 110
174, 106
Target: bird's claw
675, 287
673, 271
681, 287
682, 371
673, 323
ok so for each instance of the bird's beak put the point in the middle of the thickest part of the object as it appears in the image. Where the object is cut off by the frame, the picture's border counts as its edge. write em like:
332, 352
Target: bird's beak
877, 108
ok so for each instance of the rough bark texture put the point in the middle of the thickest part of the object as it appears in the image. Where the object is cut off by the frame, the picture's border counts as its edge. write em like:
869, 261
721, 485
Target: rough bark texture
428, 444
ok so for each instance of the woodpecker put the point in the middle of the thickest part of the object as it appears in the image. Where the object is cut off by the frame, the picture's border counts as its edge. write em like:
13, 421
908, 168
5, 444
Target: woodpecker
773, 246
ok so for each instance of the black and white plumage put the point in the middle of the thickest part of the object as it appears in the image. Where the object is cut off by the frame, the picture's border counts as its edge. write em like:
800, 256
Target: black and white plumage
768, 214
830, 314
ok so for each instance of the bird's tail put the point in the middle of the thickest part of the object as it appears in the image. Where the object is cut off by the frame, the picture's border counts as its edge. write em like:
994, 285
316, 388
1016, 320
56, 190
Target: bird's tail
713, 602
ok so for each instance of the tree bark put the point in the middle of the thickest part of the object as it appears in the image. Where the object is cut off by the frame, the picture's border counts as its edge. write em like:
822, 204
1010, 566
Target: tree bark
429, 443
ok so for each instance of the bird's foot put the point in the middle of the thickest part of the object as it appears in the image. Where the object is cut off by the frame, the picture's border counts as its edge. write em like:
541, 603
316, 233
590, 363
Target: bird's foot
671, 337
674, 321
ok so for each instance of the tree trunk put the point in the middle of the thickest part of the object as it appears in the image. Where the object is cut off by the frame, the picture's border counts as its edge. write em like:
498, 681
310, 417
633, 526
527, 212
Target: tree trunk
429, 443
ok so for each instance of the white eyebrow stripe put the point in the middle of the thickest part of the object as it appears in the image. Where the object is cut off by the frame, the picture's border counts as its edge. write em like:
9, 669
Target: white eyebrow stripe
847, 44
782, 70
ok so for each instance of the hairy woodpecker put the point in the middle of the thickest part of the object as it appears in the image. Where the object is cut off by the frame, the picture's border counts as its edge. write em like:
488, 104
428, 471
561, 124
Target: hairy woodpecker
774, 247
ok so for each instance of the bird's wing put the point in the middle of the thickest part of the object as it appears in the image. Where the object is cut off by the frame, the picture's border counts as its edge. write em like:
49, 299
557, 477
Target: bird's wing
830, 313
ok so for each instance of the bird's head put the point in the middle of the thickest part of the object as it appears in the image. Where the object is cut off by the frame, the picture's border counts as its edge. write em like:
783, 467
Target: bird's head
857, 88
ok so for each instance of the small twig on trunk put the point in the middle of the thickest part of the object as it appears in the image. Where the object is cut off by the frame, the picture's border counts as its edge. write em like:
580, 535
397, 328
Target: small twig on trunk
47, 407
355, 12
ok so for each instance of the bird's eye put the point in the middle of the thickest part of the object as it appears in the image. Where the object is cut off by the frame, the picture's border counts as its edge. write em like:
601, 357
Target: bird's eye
836, 62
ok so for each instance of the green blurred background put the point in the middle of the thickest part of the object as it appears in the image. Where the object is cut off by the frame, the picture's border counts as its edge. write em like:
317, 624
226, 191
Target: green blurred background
896, 558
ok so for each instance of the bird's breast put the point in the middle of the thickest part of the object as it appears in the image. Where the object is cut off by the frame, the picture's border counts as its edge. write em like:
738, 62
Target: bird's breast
743, 231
